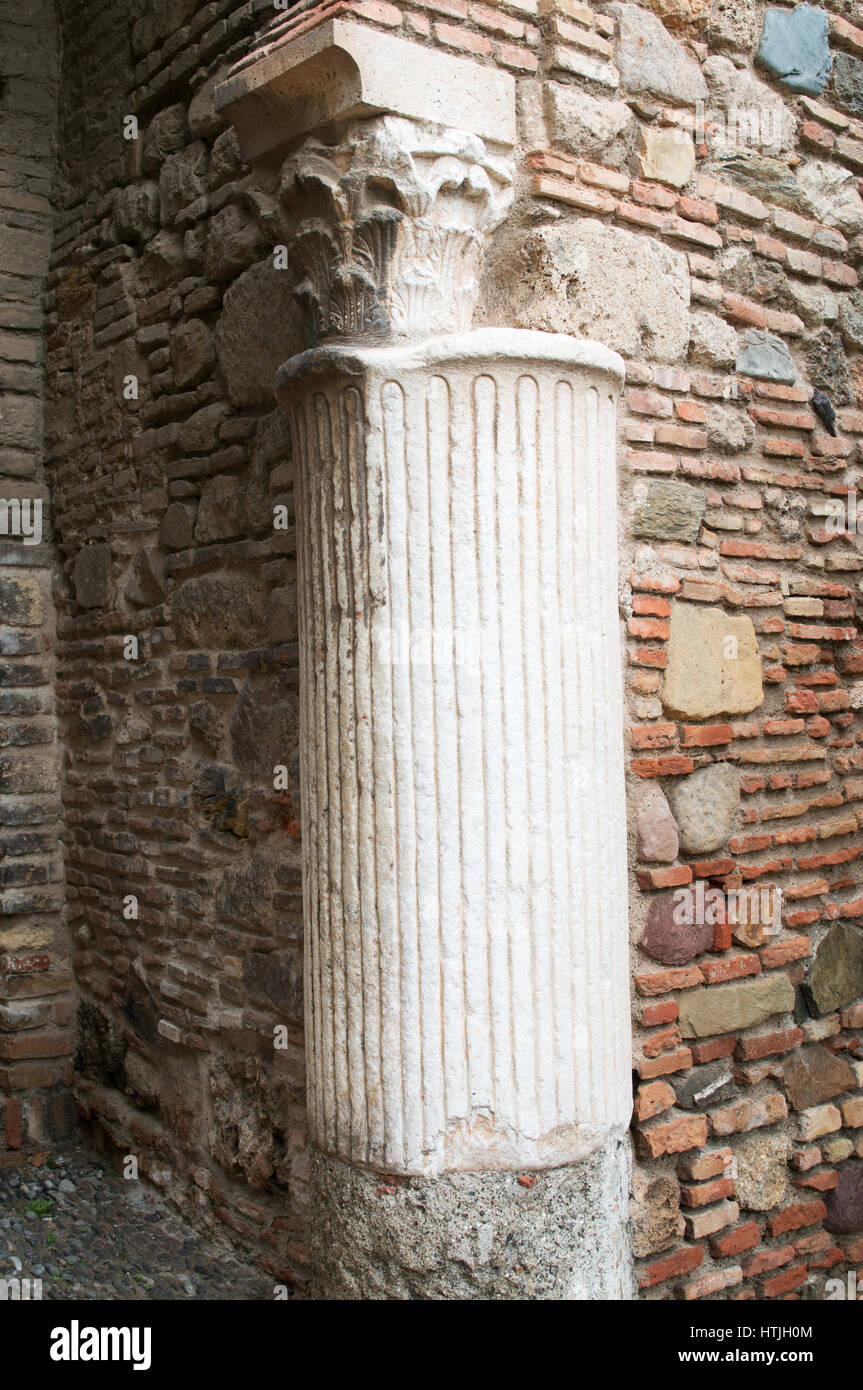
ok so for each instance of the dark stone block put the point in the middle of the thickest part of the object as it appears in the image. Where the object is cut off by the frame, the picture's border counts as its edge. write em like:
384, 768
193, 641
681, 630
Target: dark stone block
845, 1202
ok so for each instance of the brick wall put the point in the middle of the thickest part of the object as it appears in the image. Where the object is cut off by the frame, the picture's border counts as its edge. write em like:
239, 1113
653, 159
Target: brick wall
36, 1007
166, 323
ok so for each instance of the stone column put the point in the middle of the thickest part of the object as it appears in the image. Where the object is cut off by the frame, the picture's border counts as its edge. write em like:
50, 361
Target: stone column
467, 983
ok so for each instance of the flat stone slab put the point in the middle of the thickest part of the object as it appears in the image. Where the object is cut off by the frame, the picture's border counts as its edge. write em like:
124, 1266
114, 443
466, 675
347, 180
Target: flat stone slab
705, 1012
764, 356
836, 977
714, 666
667, 155
814, 1074
794, 47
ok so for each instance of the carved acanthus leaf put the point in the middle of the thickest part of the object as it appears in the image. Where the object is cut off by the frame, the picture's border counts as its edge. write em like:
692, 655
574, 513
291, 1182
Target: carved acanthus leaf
390, 224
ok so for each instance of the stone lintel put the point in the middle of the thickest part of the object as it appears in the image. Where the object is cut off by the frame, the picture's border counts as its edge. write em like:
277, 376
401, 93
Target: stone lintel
343, 70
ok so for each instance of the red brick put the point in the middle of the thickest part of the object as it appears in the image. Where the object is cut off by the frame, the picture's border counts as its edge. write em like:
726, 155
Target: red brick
702, 1194
672, 766
652, 1099
709, 1164
664, 981
709, 1284
742, 310
795, 1217
713, 1049
12, 1124
706, 735
675, 876
682, 1261
673, 1136
736, 1241
653, 735
653, 1014
766, 1260
664, 1065
784, 1283
750, 1049
732, 968
781, 952
457, 37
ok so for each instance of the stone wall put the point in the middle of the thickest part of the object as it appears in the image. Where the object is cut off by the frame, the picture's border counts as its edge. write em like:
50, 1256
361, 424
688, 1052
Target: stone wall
36, 1007
177, 633
687, 194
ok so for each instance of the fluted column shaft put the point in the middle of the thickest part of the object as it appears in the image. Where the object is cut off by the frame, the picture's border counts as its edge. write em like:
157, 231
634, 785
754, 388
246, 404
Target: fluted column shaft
466, 962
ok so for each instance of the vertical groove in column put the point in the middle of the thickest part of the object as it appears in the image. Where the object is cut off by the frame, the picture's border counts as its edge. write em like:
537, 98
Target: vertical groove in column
462, 761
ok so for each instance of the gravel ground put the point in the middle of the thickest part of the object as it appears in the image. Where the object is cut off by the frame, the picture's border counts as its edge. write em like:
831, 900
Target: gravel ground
88, 1234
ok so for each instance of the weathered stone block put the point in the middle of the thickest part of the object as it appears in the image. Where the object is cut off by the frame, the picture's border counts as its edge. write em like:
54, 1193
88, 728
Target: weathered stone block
629, 292
814, 1074
705, 806
765, 356
712, 340
177, 527
91, 576
846, 83
762, 1181
845, 1202
703, 1087
656, 1219
668, 937
234, 242
829, 193
218, 610
21, 602
836, 977
182, 180
650, 60
667, 155
249, 360
200, 433
220, 510
746, 111
192, 353
668, 510
739, 1004
794, 47
713, 664
586, 125
264, 725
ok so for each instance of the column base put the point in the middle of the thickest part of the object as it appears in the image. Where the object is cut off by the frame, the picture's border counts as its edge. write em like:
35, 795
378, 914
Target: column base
474, 1235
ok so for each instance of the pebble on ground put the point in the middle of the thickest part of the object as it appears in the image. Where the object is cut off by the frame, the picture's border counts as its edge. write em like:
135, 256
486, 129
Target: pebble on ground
86, 1233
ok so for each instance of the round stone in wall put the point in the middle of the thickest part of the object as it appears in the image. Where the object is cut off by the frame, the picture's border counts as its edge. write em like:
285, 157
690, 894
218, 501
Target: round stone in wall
705, 805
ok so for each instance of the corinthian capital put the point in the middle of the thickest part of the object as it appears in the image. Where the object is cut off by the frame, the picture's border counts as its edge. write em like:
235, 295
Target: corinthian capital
392, 215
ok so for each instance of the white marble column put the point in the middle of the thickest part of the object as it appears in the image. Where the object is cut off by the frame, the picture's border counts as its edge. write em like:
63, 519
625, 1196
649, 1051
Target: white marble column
467, 961
467, 983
